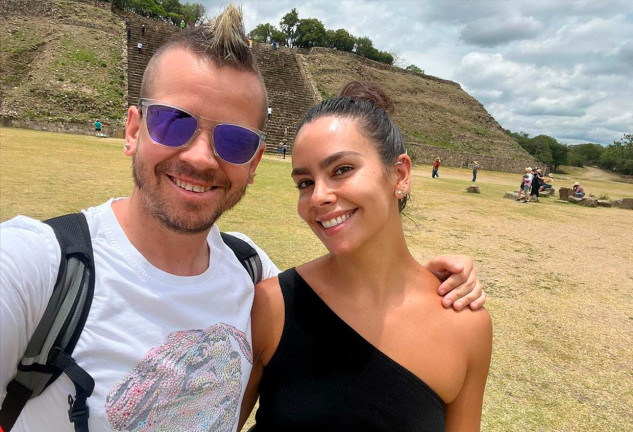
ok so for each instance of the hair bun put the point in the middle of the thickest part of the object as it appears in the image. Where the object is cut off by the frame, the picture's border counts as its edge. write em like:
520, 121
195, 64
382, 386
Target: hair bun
372, 93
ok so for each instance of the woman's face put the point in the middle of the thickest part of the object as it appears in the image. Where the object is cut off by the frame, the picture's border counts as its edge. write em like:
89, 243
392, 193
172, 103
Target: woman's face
345, 195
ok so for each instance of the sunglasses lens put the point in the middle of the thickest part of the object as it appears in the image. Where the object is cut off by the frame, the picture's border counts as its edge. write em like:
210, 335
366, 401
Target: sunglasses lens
235, 144
169, 126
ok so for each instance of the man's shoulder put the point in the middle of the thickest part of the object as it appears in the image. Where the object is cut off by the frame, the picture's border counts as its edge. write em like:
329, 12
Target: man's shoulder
269, 268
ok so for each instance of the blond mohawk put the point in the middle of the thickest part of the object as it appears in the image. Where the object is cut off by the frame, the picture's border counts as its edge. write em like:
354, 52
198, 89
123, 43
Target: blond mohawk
229, 37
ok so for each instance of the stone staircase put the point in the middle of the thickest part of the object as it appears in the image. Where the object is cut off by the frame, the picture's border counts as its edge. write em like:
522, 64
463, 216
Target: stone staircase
156, 34
289, 94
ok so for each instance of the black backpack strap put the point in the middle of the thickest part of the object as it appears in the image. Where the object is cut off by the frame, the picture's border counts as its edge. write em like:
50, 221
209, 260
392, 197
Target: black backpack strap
48, 353
246, 254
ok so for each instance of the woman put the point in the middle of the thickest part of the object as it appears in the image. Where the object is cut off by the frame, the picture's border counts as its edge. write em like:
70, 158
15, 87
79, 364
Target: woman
365, 343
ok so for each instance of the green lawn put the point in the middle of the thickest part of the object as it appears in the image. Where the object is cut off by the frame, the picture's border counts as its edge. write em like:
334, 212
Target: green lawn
559, 277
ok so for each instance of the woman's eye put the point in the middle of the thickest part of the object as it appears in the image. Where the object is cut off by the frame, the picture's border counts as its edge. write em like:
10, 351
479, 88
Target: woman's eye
343, 169
304, 184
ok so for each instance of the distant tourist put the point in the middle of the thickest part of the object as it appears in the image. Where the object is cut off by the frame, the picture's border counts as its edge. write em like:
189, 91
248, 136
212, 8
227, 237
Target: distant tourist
526, 184
182, 25
284, 148
547, 182
129, 34
285, 132
275, 45
475, 169
577, 190
143, 30
269, 113
250, 43
537, 181
140, 47
436, 167
98, 128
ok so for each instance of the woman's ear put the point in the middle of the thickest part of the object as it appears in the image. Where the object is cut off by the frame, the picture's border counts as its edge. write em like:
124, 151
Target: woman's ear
132, 128
403, 175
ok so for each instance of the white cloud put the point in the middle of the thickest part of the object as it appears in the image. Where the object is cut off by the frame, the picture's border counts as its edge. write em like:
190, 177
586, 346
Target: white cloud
491, 31
555, 67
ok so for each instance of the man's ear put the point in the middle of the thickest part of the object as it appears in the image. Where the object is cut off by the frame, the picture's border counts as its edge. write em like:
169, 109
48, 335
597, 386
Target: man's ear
254, 163
132, 130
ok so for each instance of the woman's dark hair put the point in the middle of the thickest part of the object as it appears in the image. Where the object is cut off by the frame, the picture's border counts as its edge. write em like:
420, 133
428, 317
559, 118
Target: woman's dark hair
369, 106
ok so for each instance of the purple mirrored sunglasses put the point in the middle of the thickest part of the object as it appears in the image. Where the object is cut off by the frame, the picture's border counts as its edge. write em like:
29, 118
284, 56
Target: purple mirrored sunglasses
174, 127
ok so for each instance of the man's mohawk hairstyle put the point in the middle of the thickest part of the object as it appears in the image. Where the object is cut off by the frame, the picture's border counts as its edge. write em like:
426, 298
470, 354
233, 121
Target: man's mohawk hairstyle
225, 38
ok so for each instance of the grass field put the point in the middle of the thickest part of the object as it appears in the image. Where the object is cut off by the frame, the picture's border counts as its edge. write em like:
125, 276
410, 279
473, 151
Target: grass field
559, 277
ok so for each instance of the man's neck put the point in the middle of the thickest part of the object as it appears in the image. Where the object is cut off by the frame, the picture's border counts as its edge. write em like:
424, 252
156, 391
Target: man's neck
175, 253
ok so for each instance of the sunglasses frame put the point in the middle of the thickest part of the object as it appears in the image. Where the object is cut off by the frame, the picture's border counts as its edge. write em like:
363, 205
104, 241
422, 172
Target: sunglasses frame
145, 103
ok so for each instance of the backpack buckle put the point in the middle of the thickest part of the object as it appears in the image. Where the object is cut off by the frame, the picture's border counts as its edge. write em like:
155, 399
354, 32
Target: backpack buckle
80, 414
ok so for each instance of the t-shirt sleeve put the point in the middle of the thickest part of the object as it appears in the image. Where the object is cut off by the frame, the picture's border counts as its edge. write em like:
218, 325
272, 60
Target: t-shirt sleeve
29, 263
269, 269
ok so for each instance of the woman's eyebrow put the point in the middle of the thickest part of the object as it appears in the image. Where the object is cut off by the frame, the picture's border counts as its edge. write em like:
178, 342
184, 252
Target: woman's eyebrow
324, 163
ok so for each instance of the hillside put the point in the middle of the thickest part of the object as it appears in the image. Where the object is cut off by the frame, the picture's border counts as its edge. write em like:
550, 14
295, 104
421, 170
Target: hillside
67, 63
429, 110
62, 62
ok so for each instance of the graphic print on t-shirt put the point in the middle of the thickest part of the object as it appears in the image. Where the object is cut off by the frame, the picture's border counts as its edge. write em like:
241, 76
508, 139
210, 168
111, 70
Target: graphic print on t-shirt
192, 382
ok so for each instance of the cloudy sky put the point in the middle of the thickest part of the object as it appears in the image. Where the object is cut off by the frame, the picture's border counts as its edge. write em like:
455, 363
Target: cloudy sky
562, 68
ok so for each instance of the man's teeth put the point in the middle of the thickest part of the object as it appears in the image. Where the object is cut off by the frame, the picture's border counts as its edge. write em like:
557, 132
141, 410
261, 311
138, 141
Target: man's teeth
336, 221
191, 187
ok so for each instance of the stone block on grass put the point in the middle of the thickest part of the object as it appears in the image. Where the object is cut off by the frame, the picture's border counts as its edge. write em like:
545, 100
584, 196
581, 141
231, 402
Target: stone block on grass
564, 193
511, 195
574, 200
627, 203
604, 203
473, 189
589, 202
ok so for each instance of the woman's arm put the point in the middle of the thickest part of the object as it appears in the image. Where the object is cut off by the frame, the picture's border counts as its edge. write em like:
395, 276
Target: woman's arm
267, 322
464, 413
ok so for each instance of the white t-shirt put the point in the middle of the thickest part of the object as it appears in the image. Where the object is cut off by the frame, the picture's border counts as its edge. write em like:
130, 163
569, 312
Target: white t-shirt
168, 353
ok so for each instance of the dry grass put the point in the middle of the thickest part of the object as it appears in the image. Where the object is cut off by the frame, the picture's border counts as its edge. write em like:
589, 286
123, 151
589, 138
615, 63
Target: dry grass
559, 277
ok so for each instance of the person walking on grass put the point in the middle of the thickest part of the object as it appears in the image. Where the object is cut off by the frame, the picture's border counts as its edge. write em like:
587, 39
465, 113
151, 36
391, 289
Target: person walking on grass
168, 336
436, 167
475, 169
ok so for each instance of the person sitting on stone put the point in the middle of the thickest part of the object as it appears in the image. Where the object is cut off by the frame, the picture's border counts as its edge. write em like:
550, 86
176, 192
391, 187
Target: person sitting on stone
547, 182
577, 190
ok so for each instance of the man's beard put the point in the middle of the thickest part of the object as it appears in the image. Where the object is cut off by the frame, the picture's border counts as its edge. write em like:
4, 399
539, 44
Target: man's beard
191, 218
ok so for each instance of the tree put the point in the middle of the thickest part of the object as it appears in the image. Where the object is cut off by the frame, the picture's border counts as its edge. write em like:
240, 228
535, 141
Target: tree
193, 13
288, 25
415, 69
364, 47
310, 33
559, 154
585, 154
619, 155
263, 33
383, 57
340, 39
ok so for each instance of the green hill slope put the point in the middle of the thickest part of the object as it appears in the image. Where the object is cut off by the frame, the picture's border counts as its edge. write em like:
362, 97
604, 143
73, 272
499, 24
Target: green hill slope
62, 62
429, 110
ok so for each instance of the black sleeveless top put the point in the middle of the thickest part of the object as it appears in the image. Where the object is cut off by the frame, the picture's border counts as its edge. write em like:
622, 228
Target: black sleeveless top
325, 376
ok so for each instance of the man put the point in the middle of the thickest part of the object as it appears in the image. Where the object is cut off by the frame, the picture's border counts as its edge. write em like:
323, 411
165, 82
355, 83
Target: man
168, 338
97, 128
475, 169
436, 167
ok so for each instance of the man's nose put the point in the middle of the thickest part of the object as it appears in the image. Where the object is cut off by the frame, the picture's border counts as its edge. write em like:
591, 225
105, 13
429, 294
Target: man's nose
199, 153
